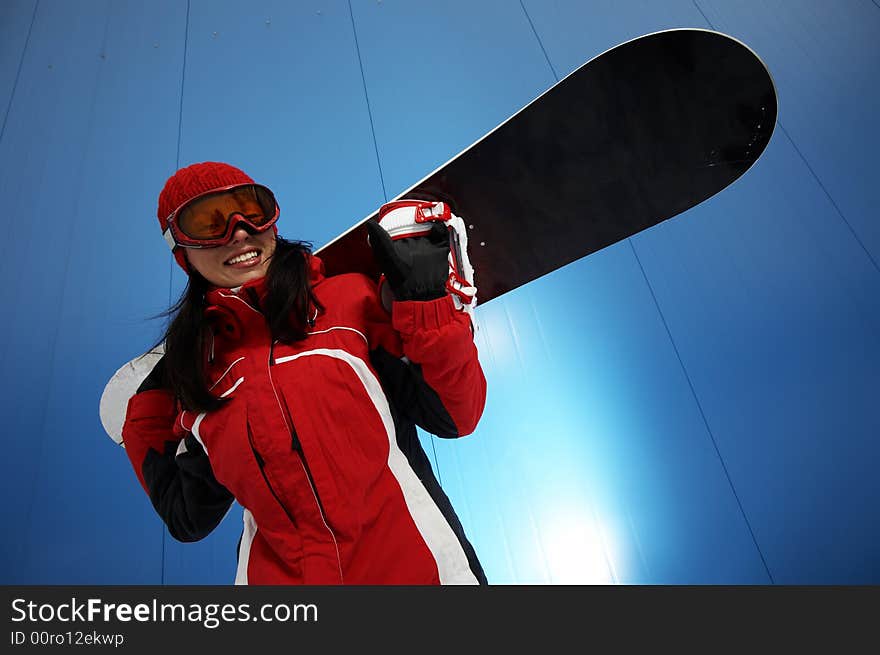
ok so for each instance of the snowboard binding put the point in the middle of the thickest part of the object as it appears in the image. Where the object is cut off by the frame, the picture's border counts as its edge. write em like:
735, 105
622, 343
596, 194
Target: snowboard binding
411, 218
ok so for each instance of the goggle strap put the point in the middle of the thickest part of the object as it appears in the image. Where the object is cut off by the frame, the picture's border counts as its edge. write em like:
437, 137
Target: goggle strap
169, 238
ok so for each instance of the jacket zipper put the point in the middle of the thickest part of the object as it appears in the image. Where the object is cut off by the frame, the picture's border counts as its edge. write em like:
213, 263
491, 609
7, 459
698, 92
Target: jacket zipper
296, 446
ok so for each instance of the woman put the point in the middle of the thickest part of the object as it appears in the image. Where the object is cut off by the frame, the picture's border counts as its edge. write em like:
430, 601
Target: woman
297, 395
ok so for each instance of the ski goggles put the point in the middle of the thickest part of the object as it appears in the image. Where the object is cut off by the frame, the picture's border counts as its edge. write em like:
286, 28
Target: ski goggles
210, 219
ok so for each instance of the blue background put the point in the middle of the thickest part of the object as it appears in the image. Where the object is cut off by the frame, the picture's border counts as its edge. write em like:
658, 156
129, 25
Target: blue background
697, 404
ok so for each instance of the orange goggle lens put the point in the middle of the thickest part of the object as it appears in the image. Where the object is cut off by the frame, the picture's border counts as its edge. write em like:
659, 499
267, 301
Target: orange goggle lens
208, 217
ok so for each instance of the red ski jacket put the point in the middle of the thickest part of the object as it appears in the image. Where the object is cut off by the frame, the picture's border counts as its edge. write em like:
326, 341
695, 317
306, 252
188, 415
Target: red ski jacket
317, 439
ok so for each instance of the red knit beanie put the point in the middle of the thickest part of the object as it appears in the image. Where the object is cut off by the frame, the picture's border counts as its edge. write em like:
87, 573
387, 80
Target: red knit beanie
191, 181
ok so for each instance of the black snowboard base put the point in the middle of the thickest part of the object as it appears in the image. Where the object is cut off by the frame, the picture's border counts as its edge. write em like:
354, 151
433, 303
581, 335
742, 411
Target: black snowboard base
633, 137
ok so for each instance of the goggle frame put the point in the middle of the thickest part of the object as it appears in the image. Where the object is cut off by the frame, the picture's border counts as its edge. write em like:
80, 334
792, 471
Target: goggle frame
175, 237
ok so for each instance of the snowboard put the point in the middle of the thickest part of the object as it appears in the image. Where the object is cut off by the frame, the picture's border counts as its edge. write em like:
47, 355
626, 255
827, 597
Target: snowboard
635, 136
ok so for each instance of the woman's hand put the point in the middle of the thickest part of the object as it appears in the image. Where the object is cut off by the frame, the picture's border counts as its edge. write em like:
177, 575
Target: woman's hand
416, 268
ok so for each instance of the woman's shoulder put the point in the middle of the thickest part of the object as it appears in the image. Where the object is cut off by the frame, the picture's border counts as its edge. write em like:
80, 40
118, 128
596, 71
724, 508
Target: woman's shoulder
354, 291
352, 282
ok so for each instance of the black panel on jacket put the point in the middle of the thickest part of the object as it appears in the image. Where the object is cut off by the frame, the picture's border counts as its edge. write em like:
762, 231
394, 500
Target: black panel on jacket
184, 491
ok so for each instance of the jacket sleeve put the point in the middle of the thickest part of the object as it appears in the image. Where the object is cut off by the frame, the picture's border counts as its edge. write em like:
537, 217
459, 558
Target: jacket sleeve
410, 395
175, 472
443, 387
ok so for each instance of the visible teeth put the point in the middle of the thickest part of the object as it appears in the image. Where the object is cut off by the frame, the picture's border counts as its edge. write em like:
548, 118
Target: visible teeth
243, 258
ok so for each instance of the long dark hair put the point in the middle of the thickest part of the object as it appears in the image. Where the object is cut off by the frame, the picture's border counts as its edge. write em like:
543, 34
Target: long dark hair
286, 305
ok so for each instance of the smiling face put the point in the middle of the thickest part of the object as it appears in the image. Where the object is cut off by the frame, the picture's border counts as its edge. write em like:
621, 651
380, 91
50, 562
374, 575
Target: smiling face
244, 259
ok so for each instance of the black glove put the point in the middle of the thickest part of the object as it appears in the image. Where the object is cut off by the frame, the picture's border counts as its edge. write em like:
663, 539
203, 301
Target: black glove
416, 267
